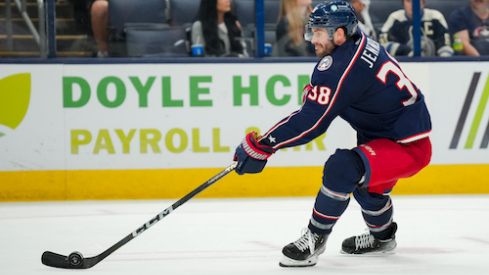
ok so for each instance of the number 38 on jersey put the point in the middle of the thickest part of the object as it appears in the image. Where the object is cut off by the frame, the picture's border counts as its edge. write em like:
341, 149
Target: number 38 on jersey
320, 94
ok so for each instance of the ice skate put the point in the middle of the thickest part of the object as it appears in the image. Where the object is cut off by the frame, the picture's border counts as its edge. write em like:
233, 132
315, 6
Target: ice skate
368, 244
305, 251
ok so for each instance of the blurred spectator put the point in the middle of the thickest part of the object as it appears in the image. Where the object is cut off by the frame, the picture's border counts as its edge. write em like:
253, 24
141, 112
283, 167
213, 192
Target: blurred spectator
99, 11
218, 30
364, 21
471, 25
81, 14
293, 16
397, 36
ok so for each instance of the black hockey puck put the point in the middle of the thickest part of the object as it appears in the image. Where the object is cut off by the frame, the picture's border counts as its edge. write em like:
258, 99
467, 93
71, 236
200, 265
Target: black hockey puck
75, 258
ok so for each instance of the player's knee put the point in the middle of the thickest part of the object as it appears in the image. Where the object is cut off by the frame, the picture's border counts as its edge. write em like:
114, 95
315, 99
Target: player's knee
343, 170
371, 201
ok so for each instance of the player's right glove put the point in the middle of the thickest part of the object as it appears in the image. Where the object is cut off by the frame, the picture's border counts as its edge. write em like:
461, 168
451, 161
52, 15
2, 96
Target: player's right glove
251, 156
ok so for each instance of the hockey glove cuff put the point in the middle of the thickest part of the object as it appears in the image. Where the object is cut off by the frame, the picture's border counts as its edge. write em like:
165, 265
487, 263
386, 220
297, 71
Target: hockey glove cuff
251, 156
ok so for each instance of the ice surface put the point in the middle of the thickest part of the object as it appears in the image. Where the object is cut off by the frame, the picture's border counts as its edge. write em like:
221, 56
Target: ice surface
437, 235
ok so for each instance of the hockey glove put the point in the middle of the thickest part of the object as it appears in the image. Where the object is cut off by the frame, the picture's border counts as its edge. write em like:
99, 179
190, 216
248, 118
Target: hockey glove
251, 156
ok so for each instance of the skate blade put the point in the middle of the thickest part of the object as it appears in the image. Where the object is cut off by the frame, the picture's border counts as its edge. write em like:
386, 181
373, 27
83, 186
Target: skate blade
389, 251
312, 261
366, 254
288, 262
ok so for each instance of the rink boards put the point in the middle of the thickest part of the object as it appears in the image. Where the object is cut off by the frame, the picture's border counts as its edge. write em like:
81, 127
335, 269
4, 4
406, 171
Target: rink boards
130, 131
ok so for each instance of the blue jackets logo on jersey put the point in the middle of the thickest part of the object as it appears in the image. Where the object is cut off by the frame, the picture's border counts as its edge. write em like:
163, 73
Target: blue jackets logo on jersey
325, 63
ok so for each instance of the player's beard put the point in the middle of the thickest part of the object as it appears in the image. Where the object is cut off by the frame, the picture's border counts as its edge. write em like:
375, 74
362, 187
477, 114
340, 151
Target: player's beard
323, 50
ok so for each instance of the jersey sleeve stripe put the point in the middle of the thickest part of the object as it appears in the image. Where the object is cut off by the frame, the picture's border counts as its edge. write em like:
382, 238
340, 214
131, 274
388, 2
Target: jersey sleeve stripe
281, 123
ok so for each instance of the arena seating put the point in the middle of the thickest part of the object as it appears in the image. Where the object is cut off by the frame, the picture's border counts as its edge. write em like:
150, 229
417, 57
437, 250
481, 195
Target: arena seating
182, 12
381, 9
245, 11
133, 14
123, 12
156, 41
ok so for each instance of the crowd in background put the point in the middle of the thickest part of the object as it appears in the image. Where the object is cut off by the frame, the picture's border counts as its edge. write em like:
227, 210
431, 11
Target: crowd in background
467, 26
216, 31
467, 30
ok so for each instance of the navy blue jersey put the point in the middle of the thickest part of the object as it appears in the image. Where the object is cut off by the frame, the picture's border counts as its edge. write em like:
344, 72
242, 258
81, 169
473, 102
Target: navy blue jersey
465, 19
361, 83
478, 29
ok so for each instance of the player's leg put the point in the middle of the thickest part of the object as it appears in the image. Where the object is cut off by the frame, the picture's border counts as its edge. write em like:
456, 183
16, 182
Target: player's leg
377, 211
342, 172
385, 162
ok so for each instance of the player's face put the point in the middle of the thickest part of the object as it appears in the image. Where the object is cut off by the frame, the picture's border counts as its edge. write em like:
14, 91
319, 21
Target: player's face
322, 42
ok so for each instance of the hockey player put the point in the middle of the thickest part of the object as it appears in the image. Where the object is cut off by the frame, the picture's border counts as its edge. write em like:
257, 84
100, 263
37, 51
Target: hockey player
357, 80
397, 33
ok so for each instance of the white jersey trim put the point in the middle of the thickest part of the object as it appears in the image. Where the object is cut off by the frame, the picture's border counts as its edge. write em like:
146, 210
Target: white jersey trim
414, 138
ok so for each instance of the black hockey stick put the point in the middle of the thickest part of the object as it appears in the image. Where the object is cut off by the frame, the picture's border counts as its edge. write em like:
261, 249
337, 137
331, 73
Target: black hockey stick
76, 261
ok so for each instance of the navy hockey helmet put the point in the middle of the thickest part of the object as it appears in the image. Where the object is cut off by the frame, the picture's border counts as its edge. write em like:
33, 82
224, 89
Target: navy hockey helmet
331, 16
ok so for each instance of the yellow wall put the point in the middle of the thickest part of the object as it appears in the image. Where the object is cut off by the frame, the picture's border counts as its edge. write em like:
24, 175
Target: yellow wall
176, 183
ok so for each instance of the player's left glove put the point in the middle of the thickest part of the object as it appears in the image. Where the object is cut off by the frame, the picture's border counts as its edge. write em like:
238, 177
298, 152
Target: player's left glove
251, 156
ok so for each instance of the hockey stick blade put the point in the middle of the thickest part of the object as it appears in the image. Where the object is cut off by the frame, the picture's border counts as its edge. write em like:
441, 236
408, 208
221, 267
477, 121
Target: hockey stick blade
59, 261
76, 260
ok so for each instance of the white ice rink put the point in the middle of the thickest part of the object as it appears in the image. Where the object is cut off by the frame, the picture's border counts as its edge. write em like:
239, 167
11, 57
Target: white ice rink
437, 235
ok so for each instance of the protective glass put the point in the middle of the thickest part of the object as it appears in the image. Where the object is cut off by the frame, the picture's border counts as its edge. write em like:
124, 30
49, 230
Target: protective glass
308, 34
